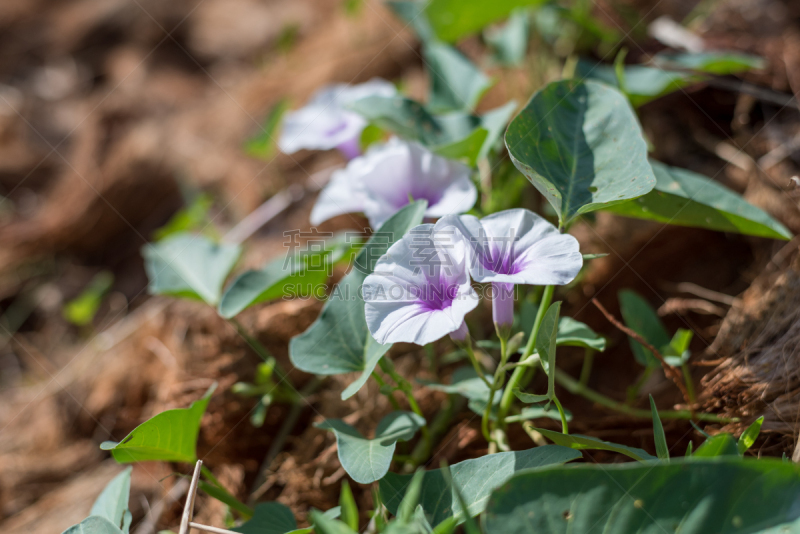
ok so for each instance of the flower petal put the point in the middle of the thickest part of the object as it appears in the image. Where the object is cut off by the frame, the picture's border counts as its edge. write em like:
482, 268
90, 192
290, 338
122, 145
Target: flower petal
339, 196
519, 247
420, 290
325, 122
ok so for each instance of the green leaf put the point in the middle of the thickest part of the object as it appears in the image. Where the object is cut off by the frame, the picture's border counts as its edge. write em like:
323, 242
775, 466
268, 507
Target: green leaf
112, 503
476, 478
333, 513
466, 149
662, 450
93, 525
581, 146
339, 341
510, 41
580, 442
676, 353
170, 436
81, 310
712, 62
263, 145
571, 333
269, 518
454, 19
546, 345
299, 275
193, 217
720, 445
687, 495
408, 506
749, 436
368, 460
685, 198
456, 83
190, 266
641, 84
327, 525
640, 317
465, 382
222, 495
348, 506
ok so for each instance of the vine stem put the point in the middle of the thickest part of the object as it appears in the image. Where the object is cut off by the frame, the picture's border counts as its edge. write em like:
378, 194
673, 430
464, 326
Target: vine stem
576, 388
518, 376
405, 386
497, 383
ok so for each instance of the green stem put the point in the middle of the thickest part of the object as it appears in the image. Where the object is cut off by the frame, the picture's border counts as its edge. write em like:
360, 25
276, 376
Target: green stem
564, 427
575, 387
497, 383
230, 500
440, 425
405, 386
518, 376
586, 370
382, 384
475, 363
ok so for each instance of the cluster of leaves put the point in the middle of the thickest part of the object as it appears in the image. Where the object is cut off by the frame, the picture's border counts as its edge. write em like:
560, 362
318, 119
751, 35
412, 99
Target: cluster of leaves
579, 143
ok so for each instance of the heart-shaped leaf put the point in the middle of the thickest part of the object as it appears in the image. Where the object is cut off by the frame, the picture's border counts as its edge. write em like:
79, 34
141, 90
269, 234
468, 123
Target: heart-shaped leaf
93, 525
581, 146
170, 436
339, 341
687, 495
640, 317
269, 518
190, 266
475, 478
456, 83
454, 19
295, 276
640, 83
368, 460
579, 442
112, 503
685, 198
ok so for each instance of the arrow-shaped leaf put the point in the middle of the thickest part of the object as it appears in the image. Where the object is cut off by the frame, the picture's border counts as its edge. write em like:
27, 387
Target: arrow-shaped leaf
368, 460
190, 266
170, 436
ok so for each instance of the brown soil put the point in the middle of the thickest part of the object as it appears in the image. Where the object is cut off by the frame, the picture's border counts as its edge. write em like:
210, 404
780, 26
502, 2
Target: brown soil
110, 109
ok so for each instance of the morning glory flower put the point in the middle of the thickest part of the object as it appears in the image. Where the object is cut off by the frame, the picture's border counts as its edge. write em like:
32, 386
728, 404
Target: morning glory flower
389, 176
325, 122
516, 247
420, 290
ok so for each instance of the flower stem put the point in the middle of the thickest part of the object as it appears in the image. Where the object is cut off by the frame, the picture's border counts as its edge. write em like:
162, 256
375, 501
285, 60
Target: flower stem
497, 383
518, 376
382, 384
405, 386
576, 388
475, 363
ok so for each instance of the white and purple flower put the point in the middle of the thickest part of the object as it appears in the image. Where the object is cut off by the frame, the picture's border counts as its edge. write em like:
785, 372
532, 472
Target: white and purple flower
325, 122
389, 176
420, 290
516, 247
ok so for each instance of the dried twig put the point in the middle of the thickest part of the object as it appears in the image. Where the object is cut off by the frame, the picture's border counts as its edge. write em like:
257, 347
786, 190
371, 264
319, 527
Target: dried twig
672, 373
